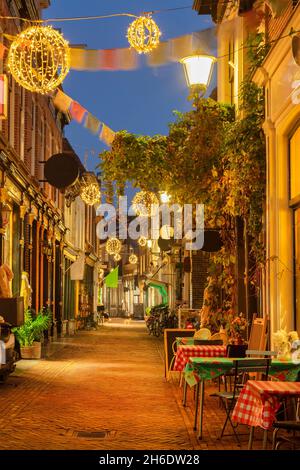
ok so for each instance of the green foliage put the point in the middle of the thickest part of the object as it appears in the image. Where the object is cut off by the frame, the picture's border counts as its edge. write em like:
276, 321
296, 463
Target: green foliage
209, 156
178, 163
33, 328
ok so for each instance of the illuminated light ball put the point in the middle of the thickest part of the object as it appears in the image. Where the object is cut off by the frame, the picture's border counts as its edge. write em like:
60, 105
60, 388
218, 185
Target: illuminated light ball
142, 241
165, 197
143, 201
133, 259
117, 257
113, 246
90, 194
143, 34
39, 59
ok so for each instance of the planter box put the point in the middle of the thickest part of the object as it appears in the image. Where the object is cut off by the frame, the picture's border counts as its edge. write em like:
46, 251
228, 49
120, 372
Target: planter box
32, 352
71, 327
64, 324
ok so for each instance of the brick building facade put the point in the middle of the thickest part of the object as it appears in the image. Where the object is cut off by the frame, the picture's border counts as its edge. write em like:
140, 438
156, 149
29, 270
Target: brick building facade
33, 238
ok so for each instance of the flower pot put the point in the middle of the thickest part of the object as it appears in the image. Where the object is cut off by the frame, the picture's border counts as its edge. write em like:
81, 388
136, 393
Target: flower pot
32, 352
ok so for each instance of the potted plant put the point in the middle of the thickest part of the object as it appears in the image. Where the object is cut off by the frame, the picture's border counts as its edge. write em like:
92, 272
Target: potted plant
29, 334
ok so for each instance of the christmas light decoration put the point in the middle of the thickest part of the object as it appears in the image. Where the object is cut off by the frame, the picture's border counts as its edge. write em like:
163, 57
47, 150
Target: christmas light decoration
113, 246
133, 259
39, 59
143, 34
142, 241
143, 201
90, 194
117, 257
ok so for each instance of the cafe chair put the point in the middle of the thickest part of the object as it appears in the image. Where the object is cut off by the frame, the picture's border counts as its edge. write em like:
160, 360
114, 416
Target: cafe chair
241, 370
287, 431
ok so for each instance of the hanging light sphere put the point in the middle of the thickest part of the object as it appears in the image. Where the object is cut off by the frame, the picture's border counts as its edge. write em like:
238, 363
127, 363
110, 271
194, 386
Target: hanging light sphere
117, 257
39, 59
90, 194
113, 246
143, 201
143, 34
142, 241
133, 259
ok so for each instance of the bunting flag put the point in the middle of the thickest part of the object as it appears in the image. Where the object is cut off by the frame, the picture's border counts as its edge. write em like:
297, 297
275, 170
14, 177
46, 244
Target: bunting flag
77, 112
107, 135
111, 280
3, 96
2, 50
92, 123
62, 101
105, 59
203, 41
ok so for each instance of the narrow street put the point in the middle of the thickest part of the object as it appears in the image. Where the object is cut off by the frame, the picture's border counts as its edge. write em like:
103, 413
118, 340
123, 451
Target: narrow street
109, 382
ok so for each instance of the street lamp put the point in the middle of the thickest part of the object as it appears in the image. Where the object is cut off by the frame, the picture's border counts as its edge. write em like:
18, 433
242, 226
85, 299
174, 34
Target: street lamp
198, 71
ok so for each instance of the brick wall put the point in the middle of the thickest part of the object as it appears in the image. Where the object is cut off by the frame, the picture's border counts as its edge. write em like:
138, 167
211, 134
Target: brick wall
37, 112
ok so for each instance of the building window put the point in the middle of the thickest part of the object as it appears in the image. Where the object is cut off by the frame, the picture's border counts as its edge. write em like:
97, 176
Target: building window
295, 205
231, 70
295, 165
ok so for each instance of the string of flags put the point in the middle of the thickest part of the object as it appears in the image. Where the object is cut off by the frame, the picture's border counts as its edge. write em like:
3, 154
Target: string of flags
128, 59
77, 112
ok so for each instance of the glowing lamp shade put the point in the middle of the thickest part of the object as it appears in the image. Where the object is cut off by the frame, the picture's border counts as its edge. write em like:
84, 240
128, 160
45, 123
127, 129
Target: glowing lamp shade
198, 69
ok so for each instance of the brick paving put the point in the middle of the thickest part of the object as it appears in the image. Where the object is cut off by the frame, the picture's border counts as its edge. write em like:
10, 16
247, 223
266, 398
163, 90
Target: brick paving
106, 390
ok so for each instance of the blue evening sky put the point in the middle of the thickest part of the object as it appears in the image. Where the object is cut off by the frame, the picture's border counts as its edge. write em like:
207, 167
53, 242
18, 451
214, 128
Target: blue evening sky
140, 101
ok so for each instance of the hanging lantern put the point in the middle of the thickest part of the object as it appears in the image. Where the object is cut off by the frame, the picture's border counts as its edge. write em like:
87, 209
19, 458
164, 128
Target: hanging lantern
133, 259
90, 194
90, 191
39, 59
142, 241
143, 34
117, 257
142, 203
113, 246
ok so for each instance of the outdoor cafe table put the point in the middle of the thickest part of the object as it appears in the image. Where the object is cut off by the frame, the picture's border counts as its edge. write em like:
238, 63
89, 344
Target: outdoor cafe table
199, 369
259, 402
185, 352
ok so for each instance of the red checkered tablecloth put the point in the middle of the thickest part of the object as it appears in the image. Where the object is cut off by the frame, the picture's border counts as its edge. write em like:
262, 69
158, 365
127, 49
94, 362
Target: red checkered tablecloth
260, 400
184, 353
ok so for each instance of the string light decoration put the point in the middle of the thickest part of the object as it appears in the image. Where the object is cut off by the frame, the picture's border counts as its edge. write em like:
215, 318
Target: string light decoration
117, 257
90, 194
133, 259
113, 246
143, 34
142, 203
39, 59
142, 241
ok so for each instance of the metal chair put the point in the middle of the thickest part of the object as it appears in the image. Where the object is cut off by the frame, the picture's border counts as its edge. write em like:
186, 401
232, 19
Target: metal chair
241, 369
290, 425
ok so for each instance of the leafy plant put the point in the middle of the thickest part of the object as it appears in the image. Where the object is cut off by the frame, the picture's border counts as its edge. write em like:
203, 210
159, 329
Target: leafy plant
33, 328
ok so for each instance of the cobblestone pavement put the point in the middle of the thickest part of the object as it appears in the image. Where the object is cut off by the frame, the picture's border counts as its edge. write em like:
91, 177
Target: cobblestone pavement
102, 390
